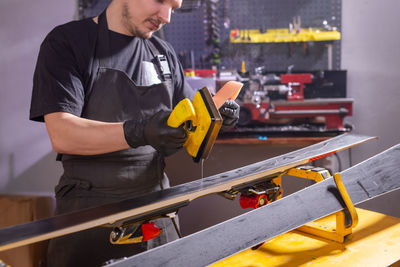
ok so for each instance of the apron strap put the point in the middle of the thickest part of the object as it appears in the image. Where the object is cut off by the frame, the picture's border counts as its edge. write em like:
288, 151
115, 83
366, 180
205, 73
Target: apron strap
160, 61
154, 51
103, 41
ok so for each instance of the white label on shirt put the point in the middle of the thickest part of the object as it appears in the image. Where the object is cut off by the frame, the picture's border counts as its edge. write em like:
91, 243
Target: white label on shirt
149, 74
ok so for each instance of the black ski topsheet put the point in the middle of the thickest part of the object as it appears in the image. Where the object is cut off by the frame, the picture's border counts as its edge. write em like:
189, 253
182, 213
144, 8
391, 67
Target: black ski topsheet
176, 196
375, 176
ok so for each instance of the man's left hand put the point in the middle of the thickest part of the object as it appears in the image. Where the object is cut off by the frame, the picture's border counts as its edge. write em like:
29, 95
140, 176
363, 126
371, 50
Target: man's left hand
230, 114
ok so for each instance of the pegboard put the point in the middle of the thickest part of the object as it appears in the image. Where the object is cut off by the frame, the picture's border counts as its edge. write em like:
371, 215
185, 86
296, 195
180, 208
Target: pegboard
186, 33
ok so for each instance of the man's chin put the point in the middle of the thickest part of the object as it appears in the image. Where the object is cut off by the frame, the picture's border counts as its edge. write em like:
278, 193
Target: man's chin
149, 35
145, 35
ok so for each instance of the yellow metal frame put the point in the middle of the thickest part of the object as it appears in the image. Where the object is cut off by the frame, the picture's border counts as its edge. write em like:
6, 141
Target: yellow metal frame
282, 35
317, 176
323, 227
128, 240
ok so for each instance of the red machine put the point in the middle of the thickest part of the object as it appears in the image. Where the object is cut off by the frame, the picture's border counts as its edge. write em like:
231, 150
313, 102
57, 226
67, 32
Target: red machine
331, 111
257, 107
296, 83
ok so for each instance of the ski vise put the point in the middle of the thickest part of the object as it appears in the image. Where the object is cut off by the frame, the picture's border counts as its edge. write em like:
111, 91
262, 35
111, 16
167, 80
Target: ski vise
336, 227
139, 228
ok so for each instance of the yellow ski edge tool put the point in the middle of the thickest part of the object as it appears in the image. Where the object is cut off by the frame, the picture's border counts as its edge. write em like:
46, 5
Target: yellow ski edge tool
202, 123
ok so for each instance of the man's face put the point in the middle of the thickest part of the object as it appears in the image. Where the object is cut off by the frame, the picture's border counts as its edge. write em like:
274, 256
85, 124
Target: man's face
143, 17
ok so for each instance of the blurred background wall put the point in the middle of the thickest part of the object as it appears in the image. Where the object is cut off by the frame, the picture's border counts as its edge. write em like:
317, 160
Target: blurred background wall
27, 164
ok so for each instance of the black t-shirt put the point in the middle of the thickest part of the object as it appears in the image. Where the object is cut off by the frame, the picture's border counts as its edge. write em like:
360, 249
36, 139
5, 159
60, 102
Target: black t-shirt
65, 66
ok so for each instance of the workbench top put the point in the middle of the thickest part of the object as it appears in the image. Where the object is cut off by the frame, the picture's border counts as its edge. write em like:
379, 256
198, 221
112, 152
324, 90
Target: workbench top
374, 242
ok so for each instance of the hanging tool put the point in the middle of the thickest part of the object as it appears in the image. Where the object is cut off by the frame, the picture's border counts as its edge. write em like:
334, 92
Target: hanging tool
212, 27
202, 120
225, 13
297, 24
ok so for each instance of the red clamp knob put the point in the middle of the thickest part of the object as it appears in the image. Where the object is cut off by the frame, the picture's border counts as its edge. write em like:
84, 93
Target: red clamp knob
150, 231
253, 201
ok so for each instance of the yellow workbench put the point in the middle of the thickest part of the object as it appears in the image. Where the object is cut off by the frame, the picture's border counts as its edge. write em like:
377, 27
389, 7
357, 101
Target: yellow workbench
374, 242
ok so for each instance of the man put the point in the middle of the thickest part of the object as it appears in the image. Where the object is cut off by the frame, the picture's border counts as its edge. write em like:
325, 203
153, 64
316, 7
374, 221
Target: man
99, 88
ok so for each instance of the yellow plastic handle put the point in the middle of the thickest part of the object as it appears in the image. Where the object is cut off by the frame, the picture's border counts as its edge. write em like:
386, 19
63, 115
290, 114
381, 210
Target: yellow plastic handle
183, 112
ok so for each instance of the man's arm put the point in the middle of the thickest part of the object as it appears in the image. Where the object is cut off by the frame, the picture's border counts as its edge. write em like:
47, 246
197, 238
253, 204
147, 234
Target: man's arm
70, 134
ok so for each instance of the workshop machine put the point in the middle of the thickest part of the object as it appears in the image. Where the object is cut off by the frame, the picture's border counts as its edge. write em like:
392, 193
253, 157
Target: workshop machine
296, 102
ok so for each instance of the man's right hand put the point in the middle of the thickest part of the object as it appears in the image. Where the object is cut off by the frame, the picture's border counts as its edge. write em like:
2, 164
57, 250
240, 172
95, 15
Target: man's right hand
162, 137
165, 139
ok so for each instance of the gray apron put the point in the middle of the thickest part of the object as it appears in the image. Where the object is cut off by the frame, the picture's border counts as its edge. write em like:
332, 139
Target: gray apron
95, 180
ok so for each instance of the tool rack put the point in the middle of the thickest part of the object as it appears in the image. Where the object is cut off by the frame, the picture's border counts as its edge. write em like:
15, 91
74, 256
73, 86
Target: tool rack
188, 32
282, 35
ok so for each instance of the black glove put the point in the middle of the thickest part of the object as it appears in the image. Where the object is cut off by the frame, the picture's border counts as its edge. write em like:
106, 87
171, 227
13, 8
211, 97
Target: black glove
155, 132
230, 114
